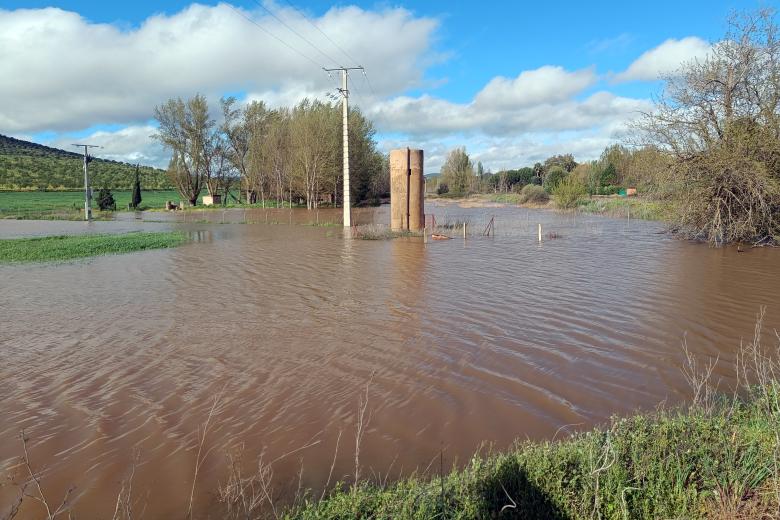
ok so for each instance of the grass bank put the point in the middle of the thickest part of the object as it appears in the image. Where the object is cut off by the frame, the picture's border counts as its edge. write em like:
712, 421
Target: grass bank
716, 458
55, 248
670, 464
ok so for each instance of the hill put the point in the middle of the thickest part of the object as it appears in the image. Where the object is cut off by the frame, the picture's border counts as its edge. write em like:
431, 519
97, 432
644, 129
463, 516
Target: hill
29, 166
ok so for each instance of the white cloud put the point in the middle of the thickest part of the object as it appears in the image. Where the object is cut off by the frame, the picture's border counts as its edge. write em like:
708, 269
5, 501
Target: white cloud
546, 84
665, 59
544, 99
131, 144
63, 73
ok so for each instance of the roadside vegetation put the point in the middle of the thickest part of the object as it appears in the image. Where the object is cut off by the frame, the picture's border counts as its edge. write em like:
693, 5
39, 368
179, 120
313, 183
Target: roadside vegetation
68, 247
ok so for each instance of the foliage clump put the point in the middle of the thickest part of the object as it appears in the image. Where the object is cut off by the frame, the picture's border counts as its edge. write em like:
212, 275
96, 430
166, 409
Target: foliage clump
533, 194
105, 200
553, 178
568, 192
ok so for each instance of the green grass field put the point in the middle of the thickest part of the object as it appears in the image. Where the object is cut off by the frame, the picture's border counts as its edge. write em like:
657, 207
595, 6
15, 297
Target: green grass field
69, 204
56, 248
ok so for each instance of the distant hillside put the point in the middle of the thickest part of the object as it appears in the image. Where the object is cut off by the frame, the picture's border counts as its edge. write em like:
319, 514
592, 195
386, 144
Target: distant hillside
26, 165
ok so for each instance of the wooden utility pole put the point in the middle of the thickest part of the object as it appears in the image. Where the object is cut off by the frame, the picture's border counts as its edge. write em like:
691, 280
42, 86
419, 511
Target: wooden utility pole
87, 192
344, 90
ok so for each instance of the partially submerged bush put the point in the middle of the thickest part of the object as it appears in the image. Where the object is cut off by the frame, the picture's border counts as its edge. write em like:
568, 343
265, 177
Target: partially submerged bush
533, 194
718, 120
568, 192
732, 193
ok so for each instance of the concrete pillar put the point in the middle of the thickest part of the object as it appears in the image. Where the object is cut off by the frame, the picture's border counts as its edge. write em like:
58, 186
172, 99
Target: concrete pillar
407, 190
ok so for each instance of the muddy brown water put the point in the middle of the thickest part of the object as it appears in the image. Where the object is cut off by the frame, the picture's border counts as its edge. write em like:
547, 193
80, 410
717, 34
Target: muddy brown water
458, 342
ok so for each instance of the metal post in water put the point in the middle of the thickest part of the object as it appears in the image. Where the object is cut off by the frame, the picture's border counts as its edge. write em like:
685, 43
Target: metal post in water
540, 233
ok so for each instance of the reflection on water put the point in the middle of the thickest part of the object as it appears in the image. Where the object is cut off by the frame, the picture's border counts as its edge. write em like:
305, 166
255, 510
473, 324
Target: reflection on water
488, 339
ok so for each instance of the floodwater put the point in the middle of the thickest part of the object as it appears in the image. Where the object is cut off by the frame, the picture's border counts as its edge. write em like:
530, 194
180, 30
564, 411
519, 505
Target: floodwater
455, 343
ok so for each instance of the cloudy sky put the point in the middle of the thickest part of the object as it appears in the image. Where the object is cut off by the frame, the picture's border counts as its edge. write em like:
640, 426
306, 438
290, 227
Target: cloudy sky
514, 82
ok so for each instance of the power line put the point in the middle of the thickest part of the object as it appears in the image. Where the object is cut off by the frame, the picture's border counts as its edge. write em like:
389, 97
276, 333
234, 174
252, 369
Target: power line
266, 31
345, 53
296, 33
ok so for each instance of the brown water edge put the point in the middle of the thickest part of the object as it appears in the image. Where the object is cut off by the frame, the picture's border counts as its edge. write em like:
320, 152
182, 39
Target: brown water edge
485, 340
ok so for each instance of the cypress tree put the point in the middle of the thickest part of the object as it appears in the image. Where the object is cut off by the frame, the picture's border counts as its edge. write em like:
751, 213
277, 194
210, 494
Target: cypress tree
136, 198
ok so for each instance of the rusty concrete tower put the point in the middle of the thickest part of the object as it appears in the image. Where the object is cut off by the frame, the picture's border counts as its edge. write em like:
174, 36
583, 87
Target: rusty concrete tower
407, 190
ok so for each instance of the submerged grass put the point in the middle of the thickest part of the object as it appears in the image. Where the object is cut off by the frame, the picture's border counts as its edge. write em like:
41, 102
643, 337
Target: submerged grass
66, 247
619, 207
378, 232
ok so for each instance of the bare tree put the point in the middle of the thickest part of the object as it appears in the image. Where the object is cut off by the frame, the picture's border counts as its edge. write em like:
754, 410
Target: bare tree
718, 118
186, 130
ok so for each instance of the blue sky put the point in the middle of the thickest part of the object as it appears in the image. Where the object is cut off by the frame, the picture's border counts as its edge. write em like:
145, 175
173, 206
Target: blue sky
511, 81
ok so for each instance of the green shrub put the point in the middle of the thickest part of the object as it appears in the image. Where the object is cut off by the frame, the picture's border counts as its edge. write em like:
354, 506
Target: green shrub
442, 189
568, 192
609, 175
105, 200
532, 194
553, 177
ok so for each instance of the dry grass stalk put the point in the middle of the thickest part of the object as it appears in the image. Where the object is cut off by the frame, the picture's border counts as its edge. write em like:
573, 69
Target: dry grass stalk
124, 499
201, 456
362, 423
699, 378
36, 480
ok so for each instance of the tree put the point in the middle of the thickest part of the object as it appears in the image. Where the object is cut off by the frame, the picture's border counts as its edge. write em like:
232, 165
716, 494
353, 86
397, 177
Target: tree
238, 127
553, 178
565, 162
135, 199
519, 178
538, 170
457, 171
718, 119
608, 176
313, 130
105, 200
186, 130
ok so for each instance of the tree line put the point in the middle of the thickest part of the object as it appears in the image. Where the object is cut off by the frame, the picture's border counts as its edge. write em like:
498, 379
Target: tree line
270, 156
618, 166
710, 147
